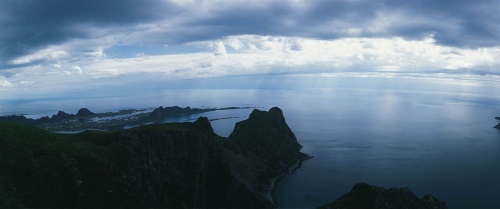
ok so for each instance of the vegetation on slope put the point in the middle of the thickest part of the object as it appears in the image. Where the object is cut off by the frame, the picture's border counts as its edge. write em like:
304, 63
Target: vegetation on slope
40, 169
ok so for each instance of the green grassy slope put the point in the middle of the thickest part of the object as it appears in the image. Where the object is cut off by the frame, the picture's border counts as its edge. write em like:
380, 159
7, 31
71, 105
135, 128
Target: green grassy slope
40, 169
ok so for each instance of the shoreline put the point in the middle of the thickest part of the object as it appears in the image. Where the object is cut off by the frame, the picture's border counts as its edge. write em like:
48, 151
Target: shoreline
276, 179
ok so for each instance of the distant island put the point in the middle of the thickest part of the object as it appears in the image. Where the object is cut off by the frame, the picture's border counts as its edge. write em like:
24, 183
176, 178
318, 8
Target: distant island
85, 119
172, 165
498, 125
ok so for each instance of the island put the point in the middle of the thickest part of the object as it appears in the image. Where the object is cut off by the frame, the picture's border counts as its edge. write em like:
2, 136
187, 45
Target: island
498, 125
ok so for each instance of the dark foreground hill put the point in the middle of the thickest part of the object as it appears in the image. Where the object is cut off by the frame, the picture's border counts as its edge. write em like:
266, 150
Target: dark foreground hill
177, 165
364, 196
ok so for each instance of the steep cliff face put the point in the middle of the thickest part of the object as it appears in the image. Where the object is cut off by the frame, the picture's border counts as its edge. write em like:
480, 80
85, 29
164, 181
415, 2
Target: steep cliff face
200, 169
364, 196
262, 147
177, 165
184, 169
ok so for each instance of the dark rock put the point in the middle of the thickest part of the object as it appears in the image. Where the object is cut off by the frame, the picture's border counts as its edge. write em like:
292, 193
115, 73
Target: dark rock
268, 135
364, 196
61, 116
84, 112
203, 124
17, 119
162, 113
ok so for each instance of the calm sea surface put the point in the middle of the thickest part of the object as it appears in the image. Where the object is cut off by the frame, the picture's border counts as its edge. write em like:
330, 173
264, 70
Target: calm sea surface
431, 136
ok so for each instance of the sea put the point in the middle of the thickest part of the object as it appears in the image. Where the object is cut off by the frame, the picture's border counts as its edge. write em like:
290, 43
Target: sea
434, 134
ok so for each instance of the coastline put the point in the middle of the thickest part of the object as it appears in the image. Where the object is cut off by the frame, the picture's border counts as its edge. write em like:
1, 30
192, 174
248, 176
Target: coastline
276, 179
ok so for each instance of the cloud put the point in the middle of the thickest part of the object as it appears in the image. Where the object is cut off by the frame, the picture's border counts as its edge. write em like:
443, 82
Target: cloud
217, 47
35, 32
26, 82
276, 54
47, 44
453, 23
4, 82
31, 26
77, 68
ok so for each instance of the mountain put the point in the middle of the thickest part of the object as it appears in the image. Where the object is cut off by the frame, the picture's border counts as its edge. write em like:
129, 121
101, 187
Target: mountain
161, 113
364, 196
176, 165
84, 112
61, 115
85, 119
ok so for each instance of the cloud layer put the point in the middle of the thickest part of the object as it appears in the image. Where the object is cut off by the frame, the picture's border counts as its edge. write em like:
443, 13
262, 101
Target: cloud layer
53, 41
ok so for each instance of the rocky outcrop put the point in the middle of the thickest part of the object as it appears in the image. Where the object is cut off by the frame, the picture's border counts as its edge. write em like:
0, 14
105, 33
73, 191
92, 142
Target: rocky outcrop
264, 146
364, 196
190, 169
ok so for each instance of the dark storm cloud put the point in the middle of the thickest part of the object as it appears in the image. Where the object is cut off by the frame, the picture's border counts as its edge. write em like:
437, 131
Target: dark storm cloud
31, 25
467, 24
459, 23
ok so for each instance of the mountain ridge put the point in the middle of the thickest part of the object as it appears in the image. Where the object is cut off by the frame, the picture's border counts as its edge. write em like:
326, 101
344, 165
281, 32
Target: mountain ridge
176, 165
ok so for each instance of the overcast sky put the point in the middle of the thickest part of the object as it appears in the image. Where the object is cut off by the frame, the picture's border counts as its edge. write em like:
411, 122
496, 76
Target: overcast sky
52, 45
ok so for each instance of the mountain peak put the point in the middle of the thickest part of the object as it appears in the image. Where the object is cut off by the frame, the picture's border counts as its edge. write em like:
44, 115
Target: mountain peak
84, 112
267, 130
203, 124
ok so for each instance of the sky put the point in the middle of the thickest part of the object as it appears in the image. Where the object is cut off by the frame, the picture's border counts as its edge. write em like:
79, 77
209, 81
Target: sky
58, 47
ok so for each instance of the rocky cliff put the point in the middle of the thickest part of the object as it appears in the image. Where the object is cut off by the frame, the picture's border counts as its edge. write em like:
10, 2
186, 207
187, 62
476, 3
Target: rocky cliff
177, 165
364, 196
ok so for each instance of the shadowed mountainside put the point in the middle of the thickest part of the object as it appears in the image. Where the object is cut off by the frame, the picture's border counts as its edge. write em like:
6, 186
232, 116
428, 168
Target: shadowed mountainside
176, 165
